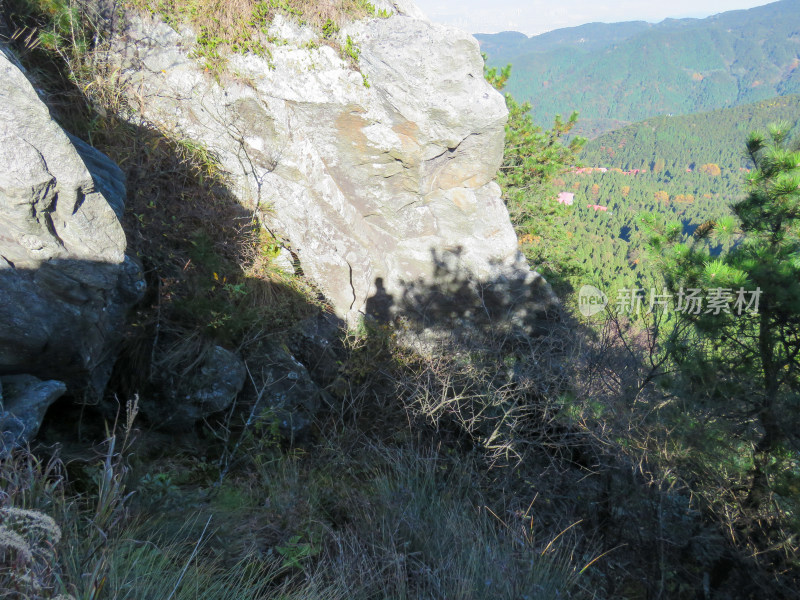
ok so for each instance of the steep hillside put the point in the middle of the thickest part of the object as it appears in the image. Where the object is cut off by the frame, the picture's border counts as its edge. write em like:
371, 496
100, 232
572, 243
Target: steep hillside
689, 167
242, 176
683, 141
632, 71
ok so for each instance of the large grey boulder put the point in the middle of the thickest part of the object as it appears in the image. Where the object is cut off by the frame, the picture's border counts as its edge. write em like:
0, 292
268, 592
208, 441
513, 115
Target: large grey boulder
65, 282
369, 186
24, 400
208, 387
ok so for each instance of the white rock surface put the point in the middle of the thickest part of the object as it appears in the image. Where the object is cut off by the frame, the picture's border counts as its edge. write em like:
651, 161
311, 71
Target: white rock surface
365, 184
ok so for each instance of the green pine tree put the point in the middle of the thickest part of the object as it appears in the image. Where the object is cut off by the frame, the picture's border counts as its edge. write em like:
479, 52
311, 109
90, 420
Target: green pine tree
746, 360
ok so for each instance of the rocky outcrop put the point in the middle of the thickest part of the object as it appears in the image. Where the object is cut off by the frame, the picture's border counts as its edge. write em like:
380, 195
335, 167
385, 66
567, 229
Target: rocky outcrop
206, 388
65, 282
374, 179
24, 399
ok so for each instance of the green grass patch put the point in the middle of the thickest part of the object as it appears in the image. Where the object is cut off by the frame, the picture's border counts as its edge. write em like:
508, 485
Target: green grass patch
242, 26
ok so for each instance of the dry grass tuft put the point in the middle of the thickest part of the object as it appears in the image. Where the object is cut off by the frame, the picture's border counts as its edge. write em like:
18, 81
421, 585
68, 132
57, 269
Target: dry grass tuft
29, 566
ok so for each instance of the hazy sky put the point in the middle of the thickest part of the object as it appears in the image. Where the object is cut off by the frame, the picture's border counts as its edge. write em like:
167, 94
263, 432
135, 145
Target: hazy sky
537, 16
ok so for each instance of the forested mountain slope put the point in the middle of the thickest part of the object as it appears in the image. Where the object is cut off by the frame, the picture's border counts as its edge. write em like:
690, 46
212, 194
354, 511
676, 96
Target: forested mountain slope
631, 71
690, 167
683, 141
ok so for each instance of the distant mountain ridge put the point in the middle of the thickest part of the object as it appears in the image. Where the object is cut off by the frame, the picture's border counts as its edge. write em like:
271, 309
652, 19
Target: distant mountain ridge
590, 36
630, 71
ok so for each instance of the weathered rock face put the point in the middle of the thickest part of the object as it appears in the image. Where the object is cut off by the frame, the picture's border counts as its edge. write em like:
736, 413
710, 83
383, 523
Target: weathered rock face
65, 282
24, 399
208, 388
370, 186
